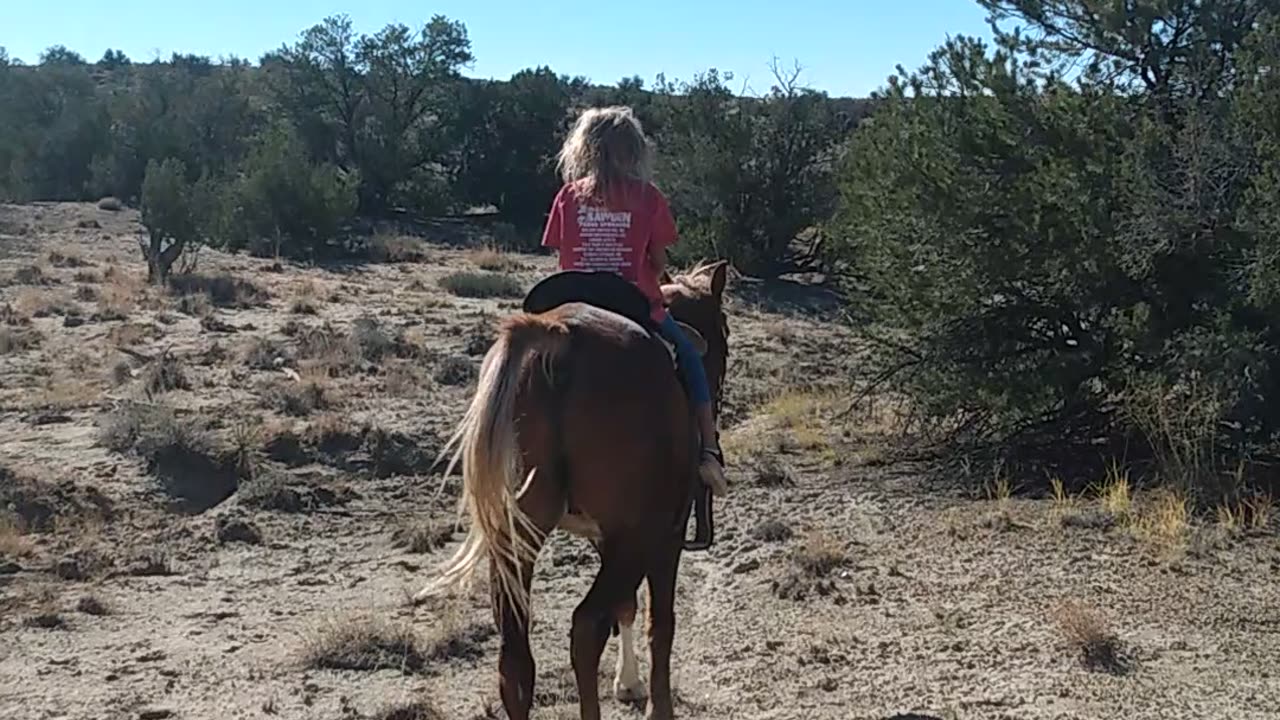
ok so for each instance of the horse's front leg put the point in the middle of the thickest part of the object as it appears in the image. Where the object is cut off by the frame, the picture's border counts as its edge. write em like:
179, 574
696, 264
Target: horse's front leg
662, 631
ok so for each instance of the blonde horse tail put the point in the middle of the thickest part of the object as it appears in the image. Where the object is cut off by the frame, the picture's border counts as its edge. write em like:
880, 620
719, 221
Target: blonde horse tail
487, 446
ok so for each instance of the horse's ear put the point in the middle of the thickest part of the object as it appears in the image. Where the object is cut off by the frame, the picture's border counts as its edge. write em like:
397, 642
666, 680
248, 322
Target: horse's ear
719, 277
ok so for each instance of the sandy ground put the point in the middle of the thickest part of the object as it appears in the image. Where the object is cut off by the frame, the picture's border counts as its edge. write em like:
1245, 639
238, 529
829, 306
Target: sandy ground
137, 581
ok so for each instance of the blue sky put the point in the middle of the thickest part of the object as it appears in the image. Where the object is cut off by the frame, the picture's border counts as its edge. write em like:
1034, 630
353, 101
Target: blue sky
845, 47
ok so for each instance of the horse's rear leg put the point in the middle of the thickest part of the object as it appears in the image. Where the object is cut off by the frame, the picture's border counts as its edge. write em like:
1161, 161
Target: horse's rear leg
515, 660
615, 586
627, 685
542, 501
662, 631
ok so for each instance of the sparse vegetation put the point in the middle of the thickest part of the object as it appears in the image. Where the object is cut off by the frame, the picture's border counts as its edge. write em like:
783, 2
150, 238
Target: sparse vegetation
819, 554
16, 340
423, 536
455, 370
1088, 634
481, 285
297, 398
93, 605
364, 644
494, 260
223, 290
164, 374
13, 542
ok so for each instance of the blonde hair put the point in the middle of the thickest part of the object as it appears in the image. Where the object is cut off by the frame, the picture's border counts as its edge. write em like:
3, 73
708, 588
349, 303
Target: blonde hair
606, 147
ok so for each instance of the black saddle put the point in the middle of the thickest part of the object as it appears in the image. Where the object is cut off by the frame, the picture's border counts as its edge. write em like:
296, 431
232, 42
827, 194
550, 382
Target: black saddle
604, 290
612, 292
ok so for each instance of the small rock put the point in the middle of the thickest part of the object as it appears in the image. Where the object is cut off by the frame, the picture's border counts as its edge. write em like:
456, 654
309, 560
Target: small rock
154, 714
10, 567
746, 566
73, 321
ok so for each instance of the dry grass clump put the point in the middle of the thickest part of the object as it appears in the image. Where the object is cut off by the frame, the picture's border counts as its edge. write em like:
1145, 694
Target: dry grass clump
154, 562
164, 374
45, 613
69, 259
423, 536
1164, 521
93, 605
1246, 514
391, 248
493, 259
772, 472
222, 290
14, 543
403, 379
31, 275
120, 295
470, 284
306, 299
366, 643
65, 389
264, 353
130, 334
298, 398
819, 555
771, 531
110, 204
790, 422
18, 339
455, 370
331, 432
44, 303
1088, 634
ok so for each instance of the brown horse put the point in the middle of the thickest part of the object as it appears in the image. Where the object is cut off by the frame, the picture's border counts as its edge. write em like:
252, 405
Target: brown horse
582, 410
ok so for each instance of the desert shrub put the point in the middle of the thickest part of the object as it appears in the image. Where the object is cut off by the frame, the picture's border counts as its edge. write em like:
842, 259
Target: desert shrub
283, 204
169, 212
1046, 264
748, 177
481, 285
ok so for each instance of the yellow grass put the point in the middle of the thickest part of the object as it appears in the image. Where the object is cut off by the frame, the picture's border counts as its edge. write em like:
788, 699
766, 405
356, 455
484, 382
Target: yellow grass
1115, 493
13, 542
1164, 523
493, 260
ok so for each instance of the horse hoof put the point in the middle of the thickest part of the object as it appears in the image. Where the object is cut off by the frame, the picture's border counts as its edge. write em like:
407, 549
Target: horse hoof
654, 714
626, 694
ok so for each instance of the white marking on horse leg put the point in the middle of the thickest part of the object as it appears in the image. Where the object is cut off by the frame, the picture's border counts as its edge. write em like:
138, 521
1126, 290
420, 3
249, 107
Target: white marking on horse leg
627, 685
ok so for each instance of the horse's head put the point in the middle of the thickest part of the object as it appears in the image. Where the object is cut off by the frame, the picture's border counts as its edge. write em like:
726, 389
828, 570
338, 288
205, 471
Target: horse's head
697, 299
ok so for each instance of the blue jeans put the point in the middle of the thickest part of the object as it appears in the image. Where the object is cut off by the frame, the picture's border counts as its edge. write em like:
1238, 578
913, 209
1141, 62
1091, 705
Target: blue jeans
690, 361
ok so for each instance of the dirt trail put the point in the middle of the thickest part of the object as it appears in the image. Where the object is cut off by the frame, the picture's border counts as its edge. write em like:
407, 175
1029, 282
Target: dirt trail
843, 584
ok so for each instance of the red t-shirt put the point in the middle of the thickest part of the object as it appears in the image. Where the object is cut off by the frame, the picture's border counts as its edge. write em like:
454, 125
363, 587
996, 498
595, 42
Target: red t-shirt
615, 237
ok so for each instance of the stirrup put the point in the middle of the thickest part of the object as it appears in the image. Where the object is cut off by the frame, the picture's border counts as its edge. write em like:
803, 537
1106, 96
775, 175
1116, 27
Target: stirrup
704, 527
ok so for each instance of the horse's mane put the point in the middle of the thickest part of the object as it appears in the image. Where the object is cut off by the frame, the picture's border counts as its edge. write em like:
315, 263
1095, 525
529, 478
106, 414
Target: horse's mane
694, 277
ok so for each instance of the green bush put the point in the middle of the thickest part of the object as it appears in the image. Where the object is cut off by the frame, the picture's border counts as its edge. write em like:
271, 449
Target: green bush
1050, 266
282, 204
170, 215
748, 177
